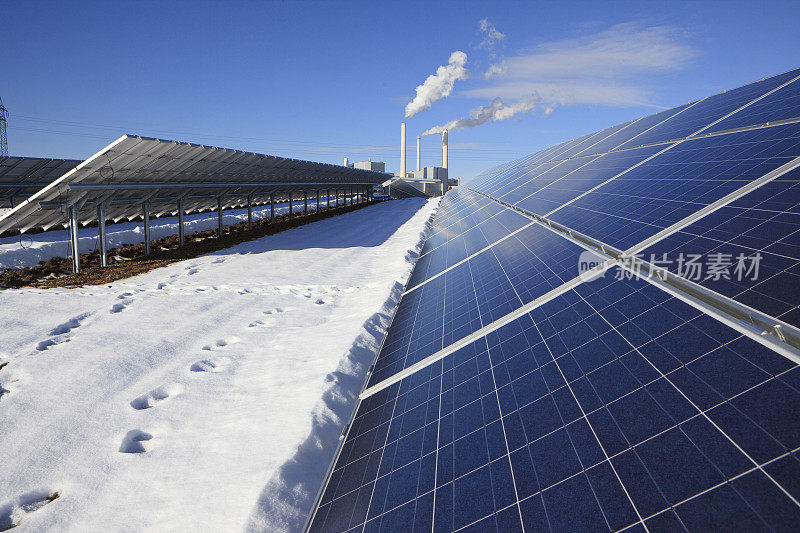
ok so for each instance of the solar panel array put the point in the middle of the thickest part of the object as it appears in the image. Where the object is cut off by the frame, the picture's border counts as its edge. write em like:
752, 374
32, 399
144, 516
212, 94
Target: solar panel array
134, 169
514, 392
20, 177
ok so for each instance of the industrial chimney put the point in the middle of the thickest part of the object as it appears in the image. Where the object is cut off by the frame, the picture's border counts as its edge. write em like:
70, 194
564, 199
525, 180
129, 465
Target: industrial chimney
402, 149
419, 157
444, 149
346, 161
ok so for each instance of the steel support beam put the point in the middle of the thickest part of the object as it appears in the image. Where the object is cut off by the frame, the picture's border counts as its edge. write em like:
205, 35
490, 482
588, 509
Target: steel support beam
73, 239
101, 234
271, 207
317, 199
219, 217
181, 229
291, 200
146, 225
305, 202
250, 213
328, 202
189, 185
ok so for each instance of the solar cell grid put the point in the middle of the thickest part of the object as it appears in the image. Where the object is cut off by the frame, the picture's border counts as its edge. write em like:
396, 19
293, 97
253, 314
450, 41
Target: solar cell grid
781, 105
501, 279
636, 128
677, 183
534, 425
573, 183
707, 111
758, 236
613, 405
546, 176
467, 222
470, 242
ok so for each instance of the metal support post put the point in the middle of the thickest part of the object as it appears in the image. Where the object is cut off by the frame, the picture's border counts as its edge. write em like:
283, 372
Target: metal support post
291, 200
305, 202
271, 207
250, 213
101, 234
73, 239
328, 202
146, 217
318, 200
181, 229
219, 216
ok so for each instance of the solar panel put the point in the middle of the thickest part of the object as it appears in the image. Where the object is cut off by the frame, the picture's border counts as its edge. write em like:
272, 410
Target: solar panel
704, 112
783, 104
133, 169
535, 378
677, 183
573, 178
535, 426
764, 224
20, 177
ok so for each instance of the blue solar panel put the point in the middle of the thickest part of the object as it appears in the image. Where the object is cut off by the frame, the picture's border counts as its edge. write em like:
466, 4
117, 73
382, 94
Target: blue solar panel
463, 245
571, 184
546, 175
498, 281
765, 221
535, 426
633, 129
780, 105
612, 405
678, 183
538, 174
707, 111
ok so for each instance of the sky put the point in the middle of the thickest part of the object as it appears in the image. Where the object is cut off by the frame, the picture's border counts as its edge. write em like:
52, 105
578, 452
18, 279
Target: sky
326, 80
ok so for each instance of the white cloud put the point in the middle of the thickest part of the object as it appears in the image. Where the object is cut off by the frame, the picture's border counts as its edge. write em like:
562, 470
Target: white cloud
438, 85
599, 69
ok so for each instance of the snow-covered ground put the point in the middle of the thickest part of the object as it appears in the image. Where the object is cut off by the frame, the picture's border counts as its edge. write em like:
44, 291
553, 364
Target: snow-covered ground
27, 250
204, 396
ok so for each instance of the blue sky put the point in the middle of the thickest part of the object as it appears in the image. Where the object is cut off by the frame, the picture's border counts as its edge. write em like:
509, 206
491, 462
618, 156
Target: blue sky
324, 80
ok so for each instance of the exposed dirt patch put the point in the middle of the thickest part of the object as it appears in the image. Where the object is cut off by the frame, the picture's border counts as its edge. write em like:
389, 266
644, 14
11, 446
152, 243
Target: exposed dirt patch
129, 260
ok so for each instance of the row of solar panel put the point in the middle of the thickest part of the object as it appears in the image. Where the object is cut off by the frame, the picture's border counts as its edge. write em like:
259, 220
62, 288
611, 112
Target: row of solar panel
776, 98
611, 406
473, 293
475, 269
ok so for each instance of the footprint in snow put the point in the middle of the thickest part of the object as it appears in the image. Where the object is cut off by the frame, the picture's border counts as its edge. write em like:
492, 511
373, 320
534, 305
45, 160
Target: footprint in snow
69, 325
15, 512
277, 310
156, 396
193, 271
117, 307
60, 333
210, 365
218, 261
133, 441
221, 343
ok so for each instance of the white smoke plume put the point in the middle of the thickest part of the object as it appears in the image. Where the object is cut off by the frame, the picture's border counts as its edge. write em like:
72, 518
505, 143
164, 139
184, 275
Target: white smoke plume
491, 35
496, 111
439, 85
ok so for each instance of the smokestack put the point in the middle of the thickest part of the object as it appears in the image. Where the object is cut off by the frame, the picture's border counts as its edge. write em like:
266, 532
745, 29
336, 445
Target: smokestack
444, 149
346, 161
419, 157
402, 149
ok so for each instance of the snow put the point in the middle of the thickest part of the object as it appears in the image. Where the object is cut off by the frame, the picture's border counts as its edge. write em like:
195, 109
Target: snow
27, 250
204, 396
